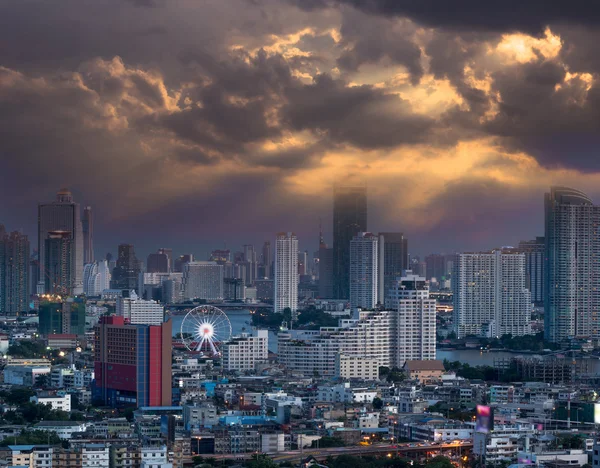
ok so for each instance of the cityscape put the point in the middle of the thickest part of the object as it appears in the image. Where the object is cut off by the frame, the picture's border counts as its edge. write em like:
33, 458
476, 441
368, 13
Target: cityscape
299, 233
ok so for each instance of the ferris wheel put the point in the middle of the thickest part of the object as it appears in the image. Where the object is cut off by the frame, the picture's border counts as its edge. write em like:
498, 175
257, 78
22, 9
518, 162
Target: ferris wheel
204, 329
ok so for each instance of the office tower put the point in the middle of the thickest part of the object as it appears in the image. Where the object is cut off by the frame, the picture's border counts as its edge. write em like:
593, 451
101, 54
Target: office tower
435, 265
267, 260
534, 251
221, 257
364, 275
393, 260
489, 293
169, 253
325, 272
140, 312
416, 321
286, 272
87, 229
58, 316
303, 263
182, 260
157, 263
349, 218
572, 266
126, 273
36, 285
250, 264
132, 363
96, 278
62, 215
14, 272
59, 274
203, 280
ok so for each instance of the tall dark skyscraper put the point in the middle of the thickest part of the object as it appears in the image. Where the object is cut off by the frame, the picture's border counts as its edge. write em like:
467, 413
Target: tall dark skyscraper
534, 251
126, 273
87, 224
435, 267
349, 218
182, 260
14, 272
393, 260
62, 215
58, 251
267, 260
157, 263
572, 264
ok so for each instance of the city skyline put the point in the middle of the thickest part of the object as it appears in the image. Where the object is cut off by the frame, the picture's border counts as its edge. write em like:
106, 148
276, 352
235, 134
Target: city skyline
441, 117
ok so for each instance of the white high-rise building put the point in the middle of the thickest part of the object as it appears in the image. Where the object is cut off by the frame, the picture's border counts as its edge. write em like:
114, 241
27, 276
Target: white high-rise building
203, 280
490, 297
415, 325
286, 272
572, 266
62, 215
96, 278
364, 271
139, 311
245, 351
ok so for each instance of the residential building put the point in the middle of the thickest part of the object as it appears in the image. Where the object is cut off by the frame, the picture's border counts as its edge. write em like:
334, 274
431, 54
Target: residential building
416, 322
57, 402
139, 311
132, 363
24, 375
345, 393
364, 271
267, 260
393, 260
87, 229
489, 294
200, 415
14, 272
349, 366
425, 371
95, 455
203, 280
245, 351
62, 215
286, 272
349, 218
501, 444
534, 251
63, 429
572, 282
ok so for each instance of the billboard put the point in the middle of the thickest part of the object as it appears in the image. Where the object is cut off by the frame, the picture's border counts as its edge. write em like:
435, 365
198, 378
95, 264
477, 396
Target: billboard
484, 421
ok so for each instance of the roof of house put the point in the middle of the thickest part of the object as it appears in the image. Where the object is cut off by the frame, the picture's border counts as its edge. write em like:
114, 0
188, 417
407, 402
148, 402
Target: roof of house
419, 365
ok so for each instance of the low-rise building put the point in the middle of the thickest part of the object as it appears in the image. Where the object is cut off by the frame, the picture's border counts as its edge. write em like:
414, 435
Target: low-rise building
64, 429
345, 393
56, 401
424, 371
349, 366
245, 351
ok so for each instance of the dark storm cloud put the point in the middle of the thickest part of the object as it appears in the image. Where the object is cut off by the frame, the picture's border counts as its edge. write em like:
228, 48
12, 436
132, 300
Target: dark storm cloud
360, 115
530, 16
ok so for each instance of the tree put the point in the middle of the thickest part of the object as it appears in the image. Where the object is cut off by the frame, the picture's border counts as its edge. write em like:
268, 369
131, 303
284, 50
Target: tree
377, 403
439, 462
35, 437
327, 442
17, 396
261, 460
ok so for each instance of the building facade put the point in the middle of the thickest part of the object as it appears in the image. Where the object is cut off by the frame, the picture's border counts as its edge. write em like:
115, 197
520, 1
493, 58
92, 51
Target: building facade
572, 281
203, 280
286, 272
489, 294
14, 272
349, 218
132, 363
127, 270
364, 275
416, 322
138, 311
393, 260
87, 225
96, 278
245, 351
534, 251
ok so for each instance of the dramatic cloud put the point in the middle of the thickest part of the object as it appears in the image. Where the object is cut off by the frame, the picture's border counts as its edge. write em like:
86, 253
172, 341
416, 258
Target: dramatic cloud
194, 124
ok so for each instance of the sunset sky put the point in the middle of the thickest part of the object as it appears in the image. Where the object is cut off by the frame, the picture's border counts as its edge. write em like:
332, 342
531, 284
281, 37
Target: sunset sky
197, 123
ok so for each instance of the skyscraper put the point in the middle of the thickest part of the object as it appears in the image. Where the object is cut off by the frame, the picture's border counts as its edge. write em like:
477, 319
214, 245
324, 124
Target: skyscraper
572, 266
415, 324
489, 293
182, 260
435, 267
393, 260
132, 363
267, 259
349, 218
364, 275
96, 278
59, 274
325, 272
62, 215
14, 272
126, 274
157, 263
303, 263
87, 224
62, 317
286, 272
534, 251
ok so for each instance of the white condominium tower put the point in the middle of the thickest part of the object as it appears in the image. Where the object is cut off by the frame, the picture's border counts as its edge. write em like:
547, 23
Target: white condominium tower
286, 272
490, 297
363, 271
572, 268
415, 325
139, 311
